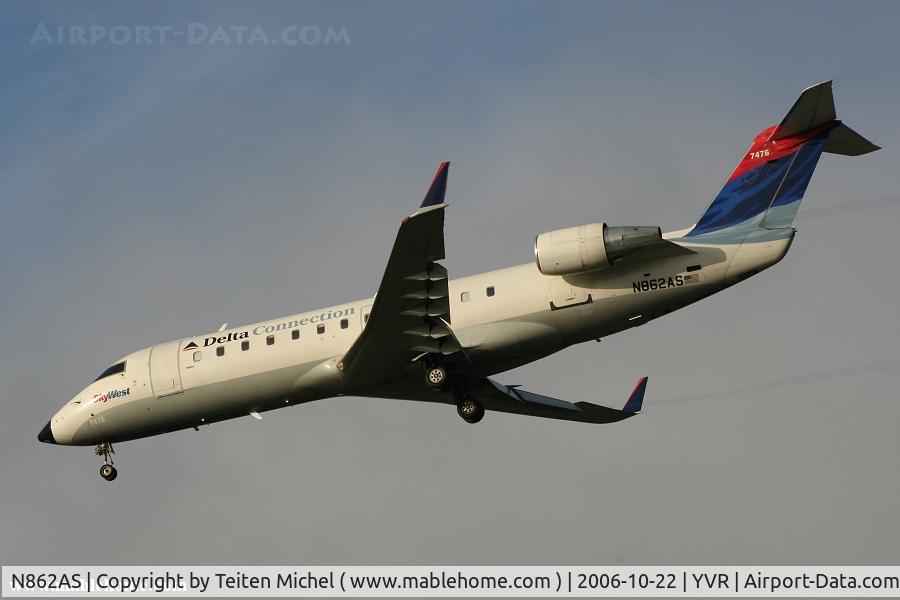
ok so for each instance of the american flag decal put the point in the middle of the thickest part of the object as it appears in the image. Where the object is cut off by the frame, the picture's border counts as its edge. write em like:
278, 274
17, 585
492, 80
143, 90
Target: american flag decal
694, 278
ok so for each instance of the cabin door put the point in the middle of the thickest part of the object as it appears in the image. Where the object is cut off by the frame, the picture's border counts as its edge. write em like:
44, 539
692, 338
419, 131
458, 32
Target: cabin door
165, 377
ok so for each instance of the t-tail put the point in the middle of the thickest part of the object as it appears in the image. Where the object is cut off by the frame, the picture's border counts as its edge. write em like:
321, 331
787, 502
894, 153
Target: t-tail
765, 189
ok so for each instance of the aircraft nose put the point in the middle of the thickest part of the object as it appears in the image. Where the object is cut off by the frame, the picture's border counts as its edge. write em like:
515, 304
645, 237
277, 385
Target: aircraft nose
46, 435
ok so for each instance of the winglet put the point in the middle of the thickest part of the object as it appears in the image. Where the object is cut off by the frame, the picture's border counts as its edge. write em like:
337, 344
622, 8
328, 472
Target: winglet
438, 187
636, 399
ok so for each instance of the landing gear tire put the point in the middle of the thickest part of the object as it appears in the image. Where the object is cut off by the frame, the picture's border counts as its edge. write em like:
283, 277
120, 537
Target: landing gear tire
436, 377
470, 410
108, 472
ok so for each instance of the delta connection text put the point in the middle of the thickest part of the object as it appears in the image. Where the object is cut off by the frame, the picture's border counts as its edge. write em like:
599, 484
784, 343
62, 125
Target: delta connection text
267, 328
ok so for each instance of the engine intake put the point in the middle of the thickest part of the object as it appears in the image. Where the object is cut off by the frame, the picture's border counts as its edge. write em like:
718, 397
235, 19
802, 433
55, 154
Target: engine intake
589, 247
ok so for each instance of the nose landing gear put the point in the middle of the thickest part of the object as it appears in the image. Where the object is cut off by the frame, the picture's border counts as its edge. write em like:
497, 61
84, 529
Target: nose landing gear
107, 471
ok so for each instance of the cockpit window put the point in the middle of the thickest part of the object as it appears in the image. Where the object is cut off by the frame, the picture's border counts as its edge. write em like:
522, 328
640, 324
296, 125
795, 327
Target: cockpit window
116, 368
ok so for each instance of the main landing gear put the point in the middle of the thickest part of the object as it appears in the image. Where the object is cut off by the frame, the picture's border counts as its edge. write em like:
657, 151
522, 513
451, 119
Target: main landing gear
438, 379
470, 409
107, 471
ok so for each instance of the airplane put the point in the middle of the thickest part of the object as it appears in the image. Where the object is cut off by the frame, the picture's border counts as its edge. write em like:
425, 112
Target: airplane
425, 337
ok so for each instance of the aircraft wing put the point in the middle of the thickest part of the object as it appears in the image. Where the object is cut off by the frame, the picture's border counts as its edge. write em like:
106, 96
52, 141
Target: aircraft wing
512, 399
411, 312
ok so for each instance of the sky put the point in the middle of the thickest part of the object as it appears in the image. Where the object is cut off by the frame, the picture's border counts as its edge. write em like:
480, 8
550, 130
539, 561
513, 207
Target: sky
154, 191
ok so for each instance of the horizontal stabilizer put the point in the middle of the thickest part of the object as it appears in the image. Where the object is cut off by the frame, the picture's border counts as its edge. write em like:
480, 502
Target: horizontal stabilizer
843, 140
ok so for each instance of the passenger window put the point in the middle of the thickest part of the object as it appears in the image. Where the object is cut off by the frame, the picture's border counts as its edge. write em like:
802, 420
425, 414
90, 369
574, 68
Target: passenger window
295, 334
490, 291
345, 323
220, 351
197, 356
320, 328
464, 297
113, 370
245, 345
270, 339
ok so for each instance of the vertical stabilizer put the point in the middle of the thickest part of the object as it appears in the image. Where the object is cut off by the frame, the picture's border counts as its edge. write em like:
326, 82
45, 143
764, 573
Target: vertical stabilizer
766, 187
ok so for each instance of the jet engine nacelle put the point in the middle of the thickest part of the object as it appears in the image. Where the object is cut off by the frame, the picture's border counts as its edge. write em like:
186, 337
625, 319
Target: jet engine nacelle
589, 247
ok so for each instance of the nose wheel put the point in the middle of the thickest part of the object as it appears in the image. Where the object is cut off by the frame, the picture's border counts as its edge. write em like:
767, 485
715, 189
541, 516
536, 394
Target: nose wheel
107, 471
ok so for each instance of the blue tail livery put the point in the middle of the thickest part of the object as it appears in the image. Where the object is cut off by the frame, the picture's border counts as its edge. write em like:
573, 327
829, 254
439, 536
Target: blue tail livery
766, 187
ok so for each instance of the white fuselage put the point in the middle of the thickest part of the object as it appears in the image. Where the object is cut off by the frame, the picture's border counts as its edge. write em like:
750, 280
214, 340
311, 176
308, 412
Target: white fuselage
173, 386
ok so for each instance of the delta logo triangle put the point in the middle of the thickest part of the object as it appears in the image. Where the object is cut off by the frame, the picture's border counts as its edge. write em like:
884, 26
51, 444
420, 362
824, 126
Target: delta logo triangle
191, 346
